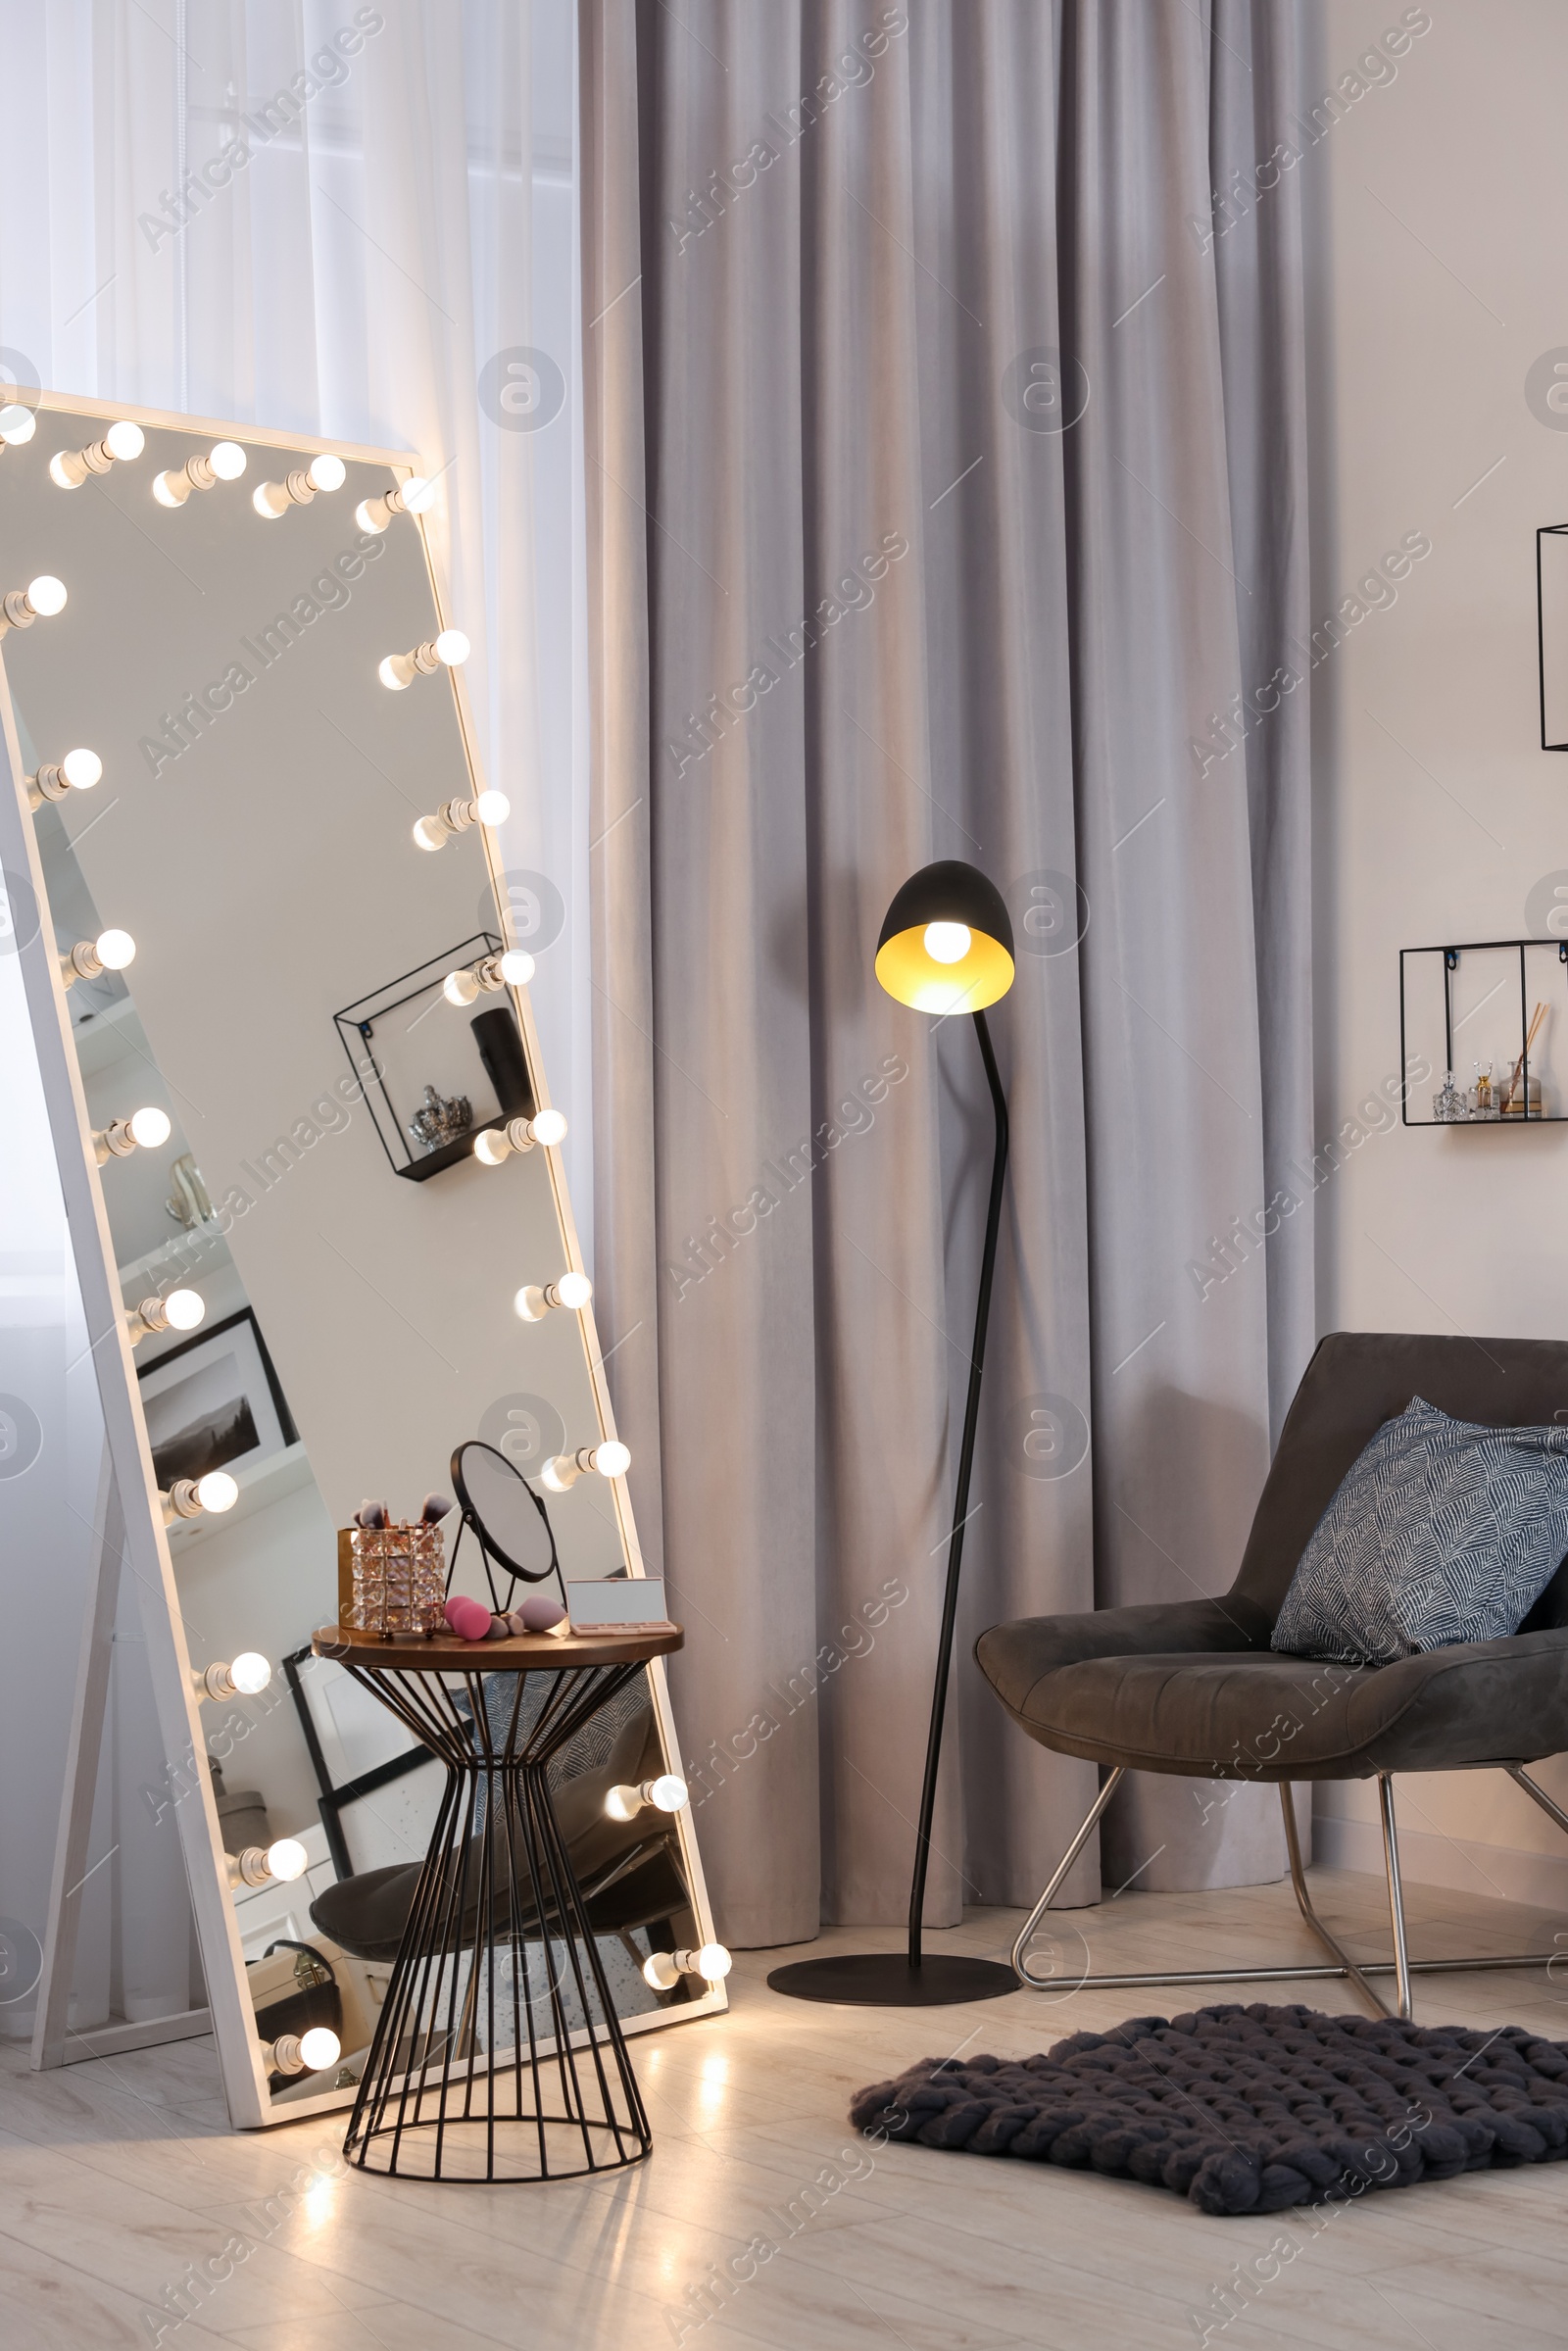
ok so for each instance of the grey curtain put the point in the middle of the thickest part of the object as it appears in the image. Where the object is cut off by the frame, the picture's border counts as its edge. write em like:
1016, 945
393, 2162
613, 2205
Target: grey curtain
945, 408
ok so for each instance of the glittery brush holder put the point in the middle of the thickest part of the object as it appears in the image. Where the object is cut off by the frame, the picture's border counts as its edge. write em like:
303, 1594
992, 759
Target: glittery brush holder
398, 1578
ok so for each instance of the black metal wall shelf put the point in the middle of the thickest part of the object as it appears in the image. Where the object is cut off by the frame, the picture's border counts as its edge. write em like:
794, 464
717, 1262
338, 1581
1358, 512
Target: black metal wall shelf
377, 1034
1551, 957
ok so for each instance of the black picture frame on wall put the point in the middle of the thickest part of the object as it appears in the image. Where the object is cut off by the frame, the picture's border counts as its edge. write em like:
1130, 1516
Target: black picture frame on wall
208, 1404
334, 1798
1551, 632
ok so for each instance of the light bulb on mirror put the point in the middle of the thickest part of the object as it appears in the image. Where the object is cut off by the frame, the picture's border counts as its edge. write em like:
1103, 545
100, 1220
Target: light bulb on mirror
40, 600
664, 1970
17, 424
451, 649
91, 958
512, 968
181, 1310
281, 1862
415, 496
495, 1144
191, 1497
666, 1793
246, 1677
78, 771
454, 816
608, 1459
144, 1130
68, 468
534, 1301
302, 2052
224, 462
275, 498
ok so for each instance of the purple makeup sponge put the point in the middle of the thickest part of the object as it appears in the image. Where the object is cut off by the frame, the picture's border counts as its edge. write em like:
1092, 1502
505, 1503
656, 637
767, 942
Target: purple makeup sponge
539, 1612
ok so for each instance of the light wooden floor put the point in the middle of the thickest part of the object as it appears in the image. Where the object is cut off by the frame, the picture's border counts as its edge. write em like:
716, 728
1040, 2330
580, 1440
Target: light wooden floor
117, 2177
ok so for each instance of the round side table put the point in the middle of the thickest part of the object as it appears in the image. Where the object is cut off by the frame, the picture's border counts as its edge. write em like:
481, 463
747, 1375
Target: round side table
498, 2055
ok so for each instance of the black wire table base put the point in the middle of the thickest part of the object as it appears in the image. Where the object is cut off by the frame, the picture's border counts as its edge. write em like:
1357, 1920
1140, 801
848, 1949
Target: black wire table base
498, 2055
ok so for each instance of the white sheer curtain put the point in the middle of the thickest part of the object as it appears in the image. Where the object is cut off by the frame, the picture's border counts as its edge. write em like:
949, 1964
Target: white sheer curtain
344, 221
349, 220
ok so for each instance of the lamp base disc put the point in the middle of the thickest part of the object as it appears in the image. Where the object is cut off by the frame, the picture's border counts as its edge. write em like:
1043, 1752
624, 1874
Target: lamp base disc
886, 1979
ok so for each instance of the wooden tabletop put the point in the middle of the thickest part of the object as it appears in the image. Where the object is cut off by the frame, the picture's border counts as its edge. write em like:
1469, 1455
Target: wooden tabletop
524, 1652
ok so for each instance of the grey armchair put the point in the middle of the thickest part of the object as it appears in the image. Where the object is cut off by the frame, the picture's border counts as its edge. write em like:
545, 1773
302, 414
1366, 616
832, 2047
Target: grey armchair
1194, 1689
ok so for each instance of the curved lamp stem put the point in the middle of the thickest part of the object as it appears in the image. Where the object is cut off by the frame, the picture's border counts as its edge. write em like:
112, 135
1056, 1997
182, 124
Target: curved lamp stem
961, 1501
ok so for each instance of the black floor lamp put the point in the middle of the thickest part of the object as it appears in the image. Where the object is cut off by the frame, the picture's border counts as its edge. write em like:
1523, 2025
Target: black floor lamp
946, 948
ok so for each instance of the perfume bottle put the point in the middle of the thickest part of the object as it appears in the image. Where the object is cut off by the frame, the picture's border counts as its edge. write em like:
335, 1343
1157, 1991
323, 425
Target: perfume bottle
1482, 1096
1448, 1105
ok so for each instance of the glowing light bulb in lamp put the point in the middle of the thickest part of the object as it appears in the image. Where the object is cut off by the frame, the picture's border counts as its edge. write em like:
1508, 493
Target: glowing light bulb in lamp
608, 1459
181, 1310
496, 1143
415, 496
450, 650
535, 1300
40, 600
224, 462
68, 468
17, 424
246, 1677
281, 1863
302, 2052
946, 944
78, 771
454, 816
666, 1793
664, 1970
144, 1130
275, 498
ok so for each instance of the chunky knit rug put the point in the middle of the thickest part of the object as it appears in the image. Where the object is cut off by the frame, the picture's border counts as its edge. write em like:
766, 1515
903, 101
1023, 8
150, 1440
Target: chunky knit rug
1248, 2109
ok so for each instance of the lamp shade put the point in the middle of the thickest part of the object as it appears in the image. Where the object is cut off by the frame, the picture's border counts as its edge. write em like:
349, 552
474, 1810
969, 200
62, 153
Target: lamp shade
947, 942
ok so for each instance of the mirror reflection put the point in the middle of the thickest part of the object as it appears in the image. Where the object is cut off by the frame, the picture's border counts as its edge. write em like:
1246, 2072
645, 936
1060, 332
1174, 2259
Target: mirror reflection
340, 1226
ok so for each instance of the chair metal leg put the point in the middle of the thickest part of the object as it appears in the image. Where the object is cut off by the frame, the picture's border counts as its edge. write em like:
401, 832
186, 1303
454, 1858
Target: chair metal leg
1020, 1964
1293, 1846
1391, 1855
1555, 1812
1402, 1966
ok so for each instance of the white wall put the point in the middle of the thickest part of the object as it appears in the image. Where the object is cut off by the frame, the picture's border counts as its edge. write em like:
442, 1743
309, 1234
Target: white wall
1441, 212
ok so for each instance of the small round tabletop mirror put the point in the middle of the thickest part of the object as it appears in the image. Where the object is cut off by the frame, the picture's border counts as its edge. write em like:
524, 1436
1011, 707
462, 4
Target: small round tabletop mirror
508, 1518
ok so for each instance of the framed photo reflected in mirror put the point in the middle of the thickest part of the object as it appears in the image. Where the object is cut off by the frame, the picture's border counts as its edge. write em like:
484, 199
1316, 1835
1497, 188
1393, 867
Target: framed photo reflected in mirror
213, 1401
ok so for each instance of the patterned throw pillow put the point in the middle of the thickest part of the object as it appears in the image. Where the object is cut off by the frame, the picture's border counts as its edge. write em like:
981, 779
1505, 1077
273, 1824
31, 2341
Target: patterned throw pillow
1441, 1531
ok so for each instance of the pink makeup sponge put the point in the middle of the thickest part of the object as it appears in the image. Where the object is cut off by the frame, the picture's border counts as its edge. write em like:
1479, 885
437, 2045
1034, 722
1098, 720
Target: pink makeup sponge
469, 1619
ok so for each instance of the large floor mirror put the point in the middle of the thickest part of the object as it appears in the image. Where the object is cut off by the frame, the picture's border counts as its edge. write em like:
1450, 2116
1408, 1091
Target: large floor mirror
306, 1144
